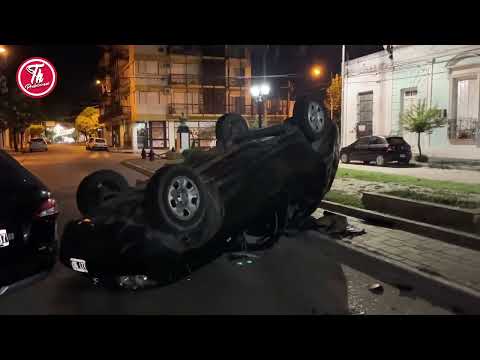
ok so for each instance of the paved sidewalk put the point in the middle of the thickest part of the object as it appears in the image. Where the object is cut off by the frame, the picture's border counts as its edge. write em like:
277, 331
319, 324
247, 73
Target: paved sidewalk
454, 263
464, 176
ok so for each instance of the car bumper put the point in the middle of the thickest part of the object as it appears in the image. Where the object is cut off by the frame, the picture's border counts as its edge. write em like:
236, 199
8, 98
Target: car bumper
399, 157
27, 270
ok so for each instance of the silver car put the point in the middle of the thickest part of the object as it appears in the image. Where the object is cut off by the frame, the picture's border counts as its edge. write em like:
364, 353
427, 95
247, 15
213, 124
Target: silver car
38, 144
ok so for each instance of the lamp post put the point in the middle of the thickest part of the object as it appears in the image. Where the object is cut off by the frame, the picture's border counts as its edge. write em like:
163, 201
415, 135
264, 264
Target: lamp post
259, 92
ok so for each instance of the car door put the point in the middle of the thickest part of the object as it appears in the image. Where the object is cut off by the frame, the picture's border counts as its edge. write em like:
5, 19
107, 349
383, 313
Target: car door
376, 146
360, 149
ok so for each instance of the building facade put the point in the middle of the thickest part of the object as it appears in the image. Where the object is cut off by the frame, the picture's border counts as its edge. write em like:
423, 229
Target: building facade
147, 90
378, 88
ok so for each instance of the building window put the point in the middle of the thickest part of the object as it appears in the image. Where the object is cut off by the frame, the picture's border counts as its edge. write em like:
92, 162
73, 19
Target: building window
464, 127
202, 133
142, 135
147, 67
148, 98
365, 114
158, 134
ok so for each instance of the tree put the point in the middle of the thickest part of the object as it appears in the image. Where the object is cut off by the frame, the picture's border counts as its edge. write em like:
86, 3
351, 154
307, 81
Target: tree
333, 98
17, 112
36, 130
87, 121
420, 118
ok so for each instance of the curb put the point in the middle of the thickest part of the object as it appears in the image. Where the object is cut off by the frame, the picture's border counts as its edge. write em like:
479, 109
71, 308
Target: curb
451, 236
145, 171
140, 169
432, 287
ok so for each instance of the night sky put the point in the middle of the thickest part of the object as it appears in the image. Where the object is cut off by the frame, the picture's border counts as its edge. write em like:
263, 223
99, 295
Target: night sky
76, 66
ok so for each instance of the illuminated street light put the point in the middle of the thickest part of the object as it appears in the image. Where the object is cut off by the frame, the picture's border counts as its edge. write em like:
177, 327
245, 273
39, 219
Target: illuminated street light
98, 82
2, 50
316, 71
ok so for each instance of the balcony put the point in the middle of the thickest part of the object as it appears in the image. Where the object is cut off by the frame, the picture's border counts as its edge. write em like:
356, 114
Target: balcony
116, 110
464, 131
184, 79
186, 109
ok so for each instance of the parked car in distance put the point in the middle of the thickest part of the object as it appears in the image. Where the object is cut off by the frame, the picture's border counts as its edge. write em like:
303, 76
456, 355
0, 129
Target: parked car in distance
97, 144
38, 144
28, 217
380, 149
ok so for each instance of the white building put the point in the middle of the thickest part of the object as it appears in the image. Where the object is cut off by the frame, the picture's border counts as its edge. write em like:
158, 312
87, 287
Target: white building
378, 89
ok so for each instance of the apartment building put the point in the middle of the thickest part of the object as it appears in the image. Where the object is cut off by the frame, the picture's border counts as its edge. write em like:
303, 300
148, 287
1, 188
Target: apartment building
147, 90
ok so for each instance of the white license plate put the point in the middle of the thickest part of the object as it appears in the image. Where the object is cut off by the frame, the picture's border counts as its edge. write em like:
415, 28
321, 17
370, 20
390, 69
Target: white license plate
4, 242
402, 155
79, 265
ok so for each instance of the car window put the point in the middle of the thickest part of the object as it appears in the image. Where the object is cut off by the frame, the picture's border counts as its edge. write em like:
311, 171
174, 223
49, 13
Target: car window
377, 141
396, 141
100, 141
362, 141
37, 140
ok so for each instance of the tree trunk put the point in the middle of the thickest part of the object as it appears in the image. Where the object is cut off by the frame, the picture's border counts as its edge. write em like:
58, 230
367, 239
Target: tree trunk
22, 133
419, 147
15, 142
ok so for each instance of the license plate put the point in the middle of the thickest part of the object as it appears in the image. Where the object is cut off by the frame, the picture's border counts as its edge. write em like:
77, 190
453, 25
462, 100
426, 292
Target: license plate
79, 265
4, 242
402, 155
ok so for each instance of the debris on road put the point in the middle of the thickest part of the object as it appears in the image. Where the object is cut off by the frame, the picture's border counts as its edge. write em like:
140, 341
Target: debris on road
376, 288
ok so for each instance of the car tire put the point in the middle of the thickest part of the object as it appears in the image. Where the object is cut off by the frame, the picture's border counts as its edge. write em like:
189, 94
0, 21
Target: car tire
366, 162
176, 198
228, 127
310, 117
404, 162
380, 160
91, 191
345, 158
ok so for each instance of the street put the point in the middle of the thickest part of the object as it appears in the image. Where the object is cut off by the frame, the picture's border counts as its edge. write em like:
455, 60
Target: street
293, 278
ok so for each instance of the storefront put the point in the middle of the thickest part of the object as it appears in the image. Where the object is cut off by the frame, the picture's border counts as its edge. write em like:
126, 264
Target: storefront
151, 134
202, 133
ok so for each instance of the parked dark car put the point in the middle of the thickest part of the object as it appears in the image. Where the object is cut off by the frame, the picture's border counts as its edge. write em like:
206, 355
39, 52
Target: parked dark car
254, 183
380, 149
27, 226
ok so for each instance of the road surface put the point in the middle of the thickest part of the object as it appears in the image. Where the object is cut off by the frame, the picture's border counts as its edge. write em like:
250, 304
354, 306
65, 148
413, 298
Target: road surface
293, 278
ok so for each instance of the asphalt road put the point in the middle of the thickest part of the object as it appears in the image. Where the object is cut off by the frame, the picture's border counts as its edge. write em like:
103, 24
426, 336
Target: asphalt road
293, 278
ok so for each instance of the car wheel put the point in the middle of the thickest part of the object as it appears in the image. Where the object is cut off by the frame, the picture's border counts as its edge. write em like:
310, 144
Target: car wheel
228, 127
310, 117
345, 159
176, 197
380, 160
366, 162
98, 187
404, 162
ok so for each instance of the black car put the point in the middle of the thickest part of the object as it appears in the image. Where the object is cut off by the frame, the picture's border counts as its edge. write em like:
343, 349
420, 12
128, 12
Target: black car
28, 216
380, 149
254, 183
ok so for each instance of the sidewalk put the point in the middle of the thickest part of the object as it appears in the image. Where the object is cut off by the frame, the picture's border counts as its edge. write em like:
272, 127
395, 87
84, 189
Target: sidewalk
434, 257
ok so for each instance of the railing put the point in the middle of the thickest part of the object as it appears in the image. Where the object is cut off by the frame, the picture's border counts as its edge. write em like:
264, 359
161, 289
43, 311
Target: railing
190, 79
244, 109
463, 130
116, 110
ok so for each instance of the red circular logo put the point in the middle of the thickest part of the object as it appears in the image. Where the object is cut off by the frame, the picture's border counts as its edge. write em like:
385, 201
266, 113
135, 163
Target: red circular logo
36, 77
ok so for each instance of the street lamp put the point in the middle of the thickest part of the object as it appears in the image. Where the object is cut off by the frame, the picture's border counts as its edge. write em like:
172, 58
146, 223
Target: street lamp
2, 50
259, 92
316, 71
98, 82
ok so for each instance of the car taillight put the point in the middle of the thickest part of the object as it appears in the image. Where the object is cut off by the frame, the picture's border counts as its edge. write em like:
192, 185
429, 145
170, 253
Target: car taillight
48, 208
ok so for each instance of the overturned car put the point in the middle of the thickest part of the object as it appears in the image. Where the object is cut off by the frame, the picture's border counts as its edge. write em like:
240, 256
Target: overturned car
254, 184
